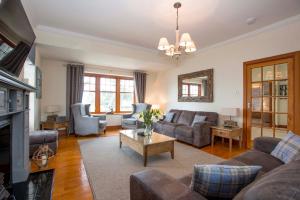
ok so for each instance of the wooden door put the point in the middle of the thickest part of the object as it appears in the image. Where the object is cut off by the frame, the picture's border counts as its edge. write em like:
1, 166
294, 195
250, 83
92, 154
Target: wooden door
269, 97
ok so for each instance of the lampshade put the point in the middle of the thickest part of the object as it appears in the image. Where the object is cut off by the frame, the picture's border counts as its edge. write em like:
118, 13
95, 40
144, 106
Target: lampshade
163, 44
155, 106
185, 40
233, 112
170, 51
191, 48
52, 109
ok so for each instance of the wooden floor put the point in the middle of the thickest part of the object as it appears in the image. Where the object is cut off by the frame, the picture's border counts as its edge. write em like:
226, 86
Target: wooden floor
70, 179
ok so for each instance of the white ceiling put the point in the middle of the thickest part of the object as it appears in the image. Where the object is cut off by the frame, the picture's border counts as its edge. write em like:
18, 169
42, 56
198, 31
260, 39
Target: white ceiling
143, 22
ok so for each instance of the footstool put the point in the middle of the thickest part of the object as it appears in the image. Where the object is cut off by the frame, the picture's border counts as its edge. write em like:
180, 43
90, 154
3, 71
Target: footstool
37, 138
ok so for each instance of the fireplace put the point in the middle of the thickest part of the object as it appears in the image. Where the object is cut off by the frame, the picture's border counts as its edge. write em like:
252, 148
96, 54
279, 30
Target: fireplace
5, 151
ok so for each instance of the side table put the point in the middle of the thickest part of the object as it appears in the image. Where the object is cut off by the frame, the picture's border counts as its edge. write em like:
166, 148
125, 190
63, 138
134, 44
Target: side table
52, 125
230, 133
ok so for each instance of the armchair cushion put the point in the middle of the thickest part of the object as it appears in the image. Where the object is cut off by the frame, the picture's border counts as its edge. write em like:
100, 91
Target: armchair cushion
287, 148
222, 181
130, 121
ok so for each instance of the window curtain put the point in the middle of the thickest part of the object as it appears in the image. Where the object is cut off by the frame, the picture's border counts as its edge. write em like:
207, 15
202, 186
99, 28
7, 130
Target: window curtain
75, 75
14, 60
140, 86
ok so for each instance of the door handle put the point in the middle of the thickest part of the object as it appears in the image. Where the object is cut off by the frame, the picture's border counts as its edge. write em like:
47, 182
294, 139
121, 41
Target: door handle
248, 105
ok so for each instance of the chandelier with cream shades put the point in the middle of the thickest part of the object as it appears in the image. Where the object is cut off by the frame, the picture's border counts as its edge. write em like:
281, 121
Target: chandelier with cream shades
184, 44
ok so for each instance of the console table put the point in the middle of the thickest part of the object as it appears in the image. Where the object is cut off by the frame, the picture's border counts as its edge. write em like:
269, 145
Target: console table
230, 133
53, 125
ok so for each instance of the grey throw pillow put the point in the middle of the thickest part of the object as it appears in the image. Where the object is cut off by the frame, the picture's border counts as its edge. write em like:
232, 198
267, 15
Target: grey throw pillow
169, 117
198, 118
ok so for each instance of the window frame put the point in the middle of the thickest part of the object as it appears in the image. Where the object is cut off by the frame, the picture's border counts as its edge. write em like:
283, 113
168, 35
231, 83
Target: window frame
118, 96
189, 89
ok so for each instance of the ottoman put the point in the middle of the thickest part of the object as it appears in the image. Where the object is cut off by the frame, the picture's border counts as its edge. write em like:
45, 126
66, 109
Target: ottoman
37, 138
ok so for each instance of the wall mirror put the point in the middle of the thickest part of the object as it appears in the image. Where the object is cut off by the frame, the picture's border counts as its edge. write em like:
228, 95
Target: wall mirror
196, 86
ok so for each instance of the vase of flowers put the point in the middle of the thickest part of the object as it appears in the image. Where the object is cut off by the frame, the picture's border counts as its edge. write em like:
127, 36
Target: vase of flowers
148, 117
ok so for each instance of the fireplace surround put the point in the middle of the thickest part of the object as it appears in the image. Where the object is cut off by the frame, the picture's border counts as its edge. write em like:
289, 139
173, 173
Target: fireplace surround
14, 130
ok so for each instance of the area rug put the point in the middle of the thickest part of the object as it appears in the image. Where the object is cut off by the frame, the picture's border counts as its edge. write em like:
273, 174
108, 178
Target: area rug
109, 167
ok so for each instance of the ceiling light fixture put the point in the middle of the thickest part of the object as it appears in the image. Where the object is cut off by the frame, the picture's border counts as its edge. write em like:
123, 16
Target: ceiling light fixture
185, 43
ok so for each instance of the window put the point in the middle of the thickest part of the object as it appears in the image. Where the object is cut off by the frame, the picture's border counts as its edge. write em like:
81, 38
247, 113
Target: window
185, 90
89, 92
126, 95
191, 90
194, 90
106, 93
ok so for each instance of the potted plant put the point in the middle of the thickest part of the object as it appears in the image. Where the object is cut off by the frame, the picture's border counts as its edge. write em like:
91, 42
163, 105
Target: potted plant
148, 117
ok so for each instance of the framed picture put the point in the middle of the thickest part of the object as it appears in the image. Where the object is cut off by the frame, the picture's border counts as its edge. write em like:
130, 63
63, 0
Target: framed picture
38, 78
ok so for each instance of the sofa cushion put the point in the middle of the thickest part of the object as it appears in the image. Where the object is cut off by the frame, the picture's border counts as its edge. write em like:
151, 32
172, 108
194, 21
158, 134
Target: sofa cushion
287, 148
211, 116
198, 118
166, 128
186, 117
183, 130
169, 117
222, 181
176, 115
281, 183
130, 121
254, 157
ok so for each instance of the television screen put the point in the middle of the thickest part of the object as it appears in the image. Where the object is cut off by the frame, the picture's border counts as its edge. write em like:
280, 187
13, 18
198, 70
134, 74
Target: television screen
16, 36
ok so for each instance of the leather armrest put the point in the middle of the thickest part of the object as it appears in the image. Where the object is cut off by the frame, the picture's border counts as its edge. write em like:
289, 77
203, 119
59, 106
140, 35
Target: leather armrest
155, 185
265, 144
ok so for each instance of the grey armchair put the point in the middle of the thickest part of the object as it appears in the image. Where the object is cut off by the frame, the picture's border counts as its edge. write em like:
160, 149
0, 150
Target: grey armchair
84, 123
129, 121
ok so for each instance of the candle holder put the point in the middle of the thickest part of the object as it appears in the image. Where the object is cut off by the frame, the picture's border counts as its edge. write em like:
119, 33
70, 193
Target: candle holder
42, 155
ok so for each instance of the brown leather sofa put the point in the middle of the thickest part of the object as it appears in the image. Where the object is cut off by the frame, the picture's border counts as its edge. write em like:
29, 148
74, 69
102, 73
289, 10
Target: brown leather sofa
182, 129
276, 180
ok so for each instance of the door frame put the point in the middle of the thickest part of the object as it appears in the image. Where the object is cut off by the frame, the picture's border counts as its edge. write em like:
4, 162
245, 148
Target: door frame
295, 61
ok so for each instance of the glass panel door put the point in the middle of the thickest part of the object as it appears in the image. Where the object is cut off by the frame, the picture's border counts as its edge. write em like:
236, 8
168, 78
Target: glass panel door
267, 112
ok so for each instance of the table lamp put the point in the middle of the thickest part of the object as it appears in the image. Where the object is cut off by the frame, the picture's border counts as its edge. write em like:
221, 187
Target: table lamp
155, 106
52, 110
231, 112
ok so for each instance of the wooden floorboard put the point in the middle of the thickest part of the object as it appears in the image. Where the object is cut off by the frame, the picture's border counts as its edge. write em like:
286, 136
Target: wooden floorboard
70, 179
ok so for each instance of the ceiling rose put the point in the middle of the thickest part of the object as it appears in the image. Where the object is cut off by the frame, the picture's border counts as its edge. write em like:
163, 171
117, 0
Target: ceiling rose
184, 44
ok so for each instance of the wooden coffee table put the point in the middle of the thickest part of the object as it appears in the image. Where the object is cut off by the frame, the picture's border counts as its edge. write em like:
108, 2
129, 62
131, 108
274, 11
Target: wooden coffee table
147, 145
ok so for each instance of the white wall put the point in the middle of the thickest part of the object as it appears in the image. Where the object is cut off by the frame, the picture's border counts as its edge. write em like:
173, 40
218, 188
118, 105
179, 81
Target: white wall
54, 83
37, 104
53, 86
227, 62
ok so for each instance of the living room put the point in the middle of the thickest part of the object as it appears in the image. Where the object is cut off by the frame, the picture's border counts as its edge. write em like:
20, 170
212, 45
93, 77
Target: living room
149, 99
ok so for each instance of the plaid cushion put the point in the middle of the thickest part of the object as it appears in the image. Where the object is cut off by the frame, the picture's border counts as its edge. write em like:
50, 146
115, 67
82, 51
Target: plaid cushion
287, 148
222, 181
